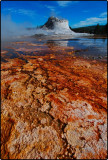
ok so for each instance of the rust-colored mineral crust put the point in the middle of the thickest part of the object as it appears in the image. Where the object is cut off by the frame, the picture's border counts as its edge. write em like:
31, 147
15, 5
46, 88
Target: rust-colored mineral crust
53, 107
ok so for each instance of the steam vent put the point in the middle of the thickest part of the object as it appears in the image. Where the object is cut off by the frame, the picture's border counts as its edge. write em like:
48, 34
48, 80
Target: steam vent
58, 25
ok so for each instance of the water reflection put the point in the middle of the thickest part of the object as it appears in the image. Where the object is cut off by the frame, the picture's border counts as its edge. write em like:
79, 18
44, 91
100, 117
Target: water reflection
82, 47
104, 40
95, 47
53, 43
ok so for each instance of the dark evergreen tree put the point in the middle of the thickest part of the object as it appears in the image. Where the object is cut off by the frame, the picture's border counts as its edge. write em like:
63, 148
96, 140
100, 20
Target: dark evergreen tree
97, 29
106, 28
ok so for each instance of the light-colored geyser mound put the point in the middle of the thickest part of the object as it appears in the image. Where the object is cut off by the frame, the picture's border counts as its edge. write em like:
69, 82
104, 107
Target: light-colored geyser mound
58, 26
55, 26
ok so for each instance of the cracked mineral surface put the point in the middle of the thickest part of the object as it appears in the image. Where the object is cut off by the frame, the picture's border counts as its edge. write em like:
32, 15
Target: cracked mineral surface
53, 105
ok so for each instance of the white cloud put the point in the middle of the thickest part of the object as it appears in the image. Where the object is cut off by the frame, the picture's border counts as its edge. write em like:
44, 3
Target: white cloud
52, 8
29, 13
54, 11
66, 3
104, 14
92, 21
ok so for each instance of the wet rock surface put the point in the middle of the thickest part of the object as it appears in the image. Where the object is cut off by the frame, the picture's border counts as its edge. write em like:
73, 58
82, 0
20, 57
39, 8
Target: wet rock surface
53, 106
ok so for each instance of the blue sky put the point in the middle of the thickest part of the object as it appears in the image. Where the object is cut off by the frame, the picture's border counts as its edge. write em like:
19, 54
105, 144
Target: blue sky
33, 13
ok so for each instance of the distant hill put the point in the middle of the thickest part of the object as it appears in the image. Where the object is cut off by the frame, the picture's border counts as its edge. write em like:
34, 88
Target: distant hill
96, 29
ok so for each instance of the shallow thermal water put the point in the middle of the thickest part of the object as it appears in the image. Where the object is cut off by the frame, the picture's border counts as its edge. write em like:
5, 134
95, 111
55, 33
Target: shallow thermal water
85, 47
90, 48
